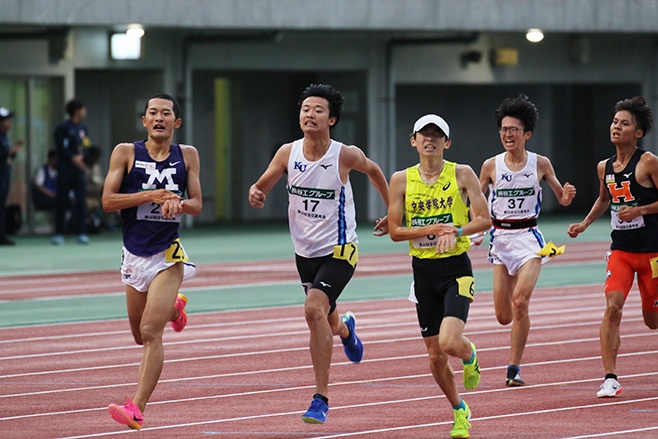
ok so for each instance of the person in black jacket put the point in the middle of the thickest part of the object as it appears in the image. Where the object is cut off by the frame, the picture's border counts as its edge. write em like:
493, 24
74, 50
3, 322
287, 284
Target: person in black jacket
70, 139
7, 154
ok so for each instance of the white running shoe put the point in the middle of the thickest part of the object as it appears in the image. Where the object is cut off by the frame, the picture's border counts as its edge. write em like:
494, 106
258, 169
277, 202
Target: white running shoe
609, 389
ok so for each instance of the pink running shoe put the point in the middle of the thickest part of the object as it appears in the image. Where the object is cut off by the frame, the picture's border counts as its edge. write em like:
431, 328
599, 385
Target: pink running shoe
181, 321
127, 414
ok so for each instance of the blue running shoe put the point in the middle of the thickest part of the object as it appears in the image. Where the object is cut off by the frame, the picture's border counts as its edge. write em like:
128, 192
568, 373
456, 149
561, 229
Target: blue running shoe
514, 377
317, 413
352, 345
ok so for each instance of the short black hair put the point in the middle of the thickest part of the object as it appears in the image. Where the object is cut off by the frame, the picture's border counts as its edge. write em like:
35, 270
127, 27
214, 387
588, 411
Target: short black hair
640, 110
74, 105
520, 108
333, 96
165, 96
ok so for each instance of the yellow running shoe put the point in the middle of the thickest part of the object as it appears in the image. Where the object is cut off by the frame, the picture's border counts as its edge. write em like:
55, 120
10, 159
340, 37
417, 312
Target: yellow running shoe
472, 371
461, 424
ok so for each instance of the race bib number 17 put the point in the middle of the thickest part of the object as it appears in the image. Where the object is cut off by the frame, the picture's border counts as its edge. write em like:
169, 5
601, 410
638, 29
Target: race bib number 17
347, 252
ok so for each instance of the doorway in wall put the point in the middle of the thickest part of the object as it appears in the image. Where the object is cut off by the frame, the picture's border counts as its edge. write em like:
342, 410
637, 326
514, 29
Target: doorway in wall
37, 104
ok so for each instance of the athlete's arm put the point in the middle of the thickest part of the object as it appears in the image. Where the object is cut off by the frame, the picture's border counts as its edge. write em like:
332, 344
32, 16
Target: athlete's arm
479, 211
599, 207
120, 161
480, 220
277, 167
564, 194
397, 193
194, 202
486, 174
352, 157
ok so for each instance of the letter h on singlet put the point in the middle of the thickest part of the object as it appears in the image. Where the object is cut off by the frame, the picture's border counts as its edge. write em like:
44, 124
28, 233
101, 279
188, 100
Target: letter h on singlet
621, 192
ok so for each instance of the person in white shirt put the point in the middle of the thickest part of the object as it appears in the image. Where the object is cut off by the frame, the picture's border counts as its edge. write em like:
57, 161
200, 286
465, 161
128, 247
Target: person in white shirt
512, 180
322, 222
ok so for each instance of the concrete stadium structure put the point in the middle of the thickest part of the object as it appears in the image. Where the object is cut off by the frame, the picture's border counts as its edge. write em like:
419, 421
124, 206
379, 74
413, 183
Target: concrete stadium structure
238, 66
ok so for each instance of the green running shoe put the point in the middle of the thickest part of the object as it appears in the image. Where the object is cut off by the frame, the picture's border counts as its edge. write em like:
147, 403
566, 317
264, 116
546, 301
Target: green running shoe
461, 424
472, 371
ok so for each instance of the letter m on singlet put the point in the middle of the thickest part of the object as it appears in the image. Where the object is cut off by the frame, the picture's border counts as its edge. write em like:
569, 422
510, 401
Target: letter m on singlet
165, 176
624, 192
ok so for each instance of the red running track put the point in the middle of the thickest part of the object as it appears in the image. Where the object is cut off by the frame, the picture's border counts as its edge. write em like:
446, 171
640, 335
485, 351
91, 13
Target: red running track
240, 273
247, 374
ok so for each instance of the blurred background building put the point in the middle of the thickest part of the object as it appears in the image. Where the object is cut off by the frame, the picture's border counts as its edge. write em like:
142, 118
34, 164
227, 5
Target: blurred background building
238, 66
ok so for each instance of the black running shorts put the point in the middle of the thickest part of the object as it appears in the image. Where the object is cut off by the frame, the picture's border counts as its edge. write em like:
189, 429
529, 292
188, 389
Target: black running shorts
325, 273
442, 288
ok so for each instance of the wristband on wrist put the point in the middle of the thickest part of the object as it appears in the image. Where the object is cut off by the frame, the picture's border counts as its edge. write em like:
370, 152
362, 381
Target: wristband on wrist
459, 231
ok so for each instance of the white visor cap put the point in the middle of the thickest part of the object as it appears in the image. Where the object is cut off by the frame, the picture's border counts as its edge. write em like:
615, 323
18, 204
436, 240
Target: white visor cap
432, 119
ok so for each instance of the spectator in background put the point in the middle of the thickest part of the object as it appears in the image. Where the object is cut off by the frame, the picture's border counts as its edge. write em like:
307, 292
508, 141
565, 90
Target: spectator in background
95, 181
70, 138
7, 154
44, 186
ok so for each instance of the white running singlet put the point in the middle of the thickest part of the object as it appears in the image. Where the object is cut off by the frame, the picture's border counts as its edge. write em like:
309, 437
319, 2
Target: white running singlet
321, 211
515, 195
